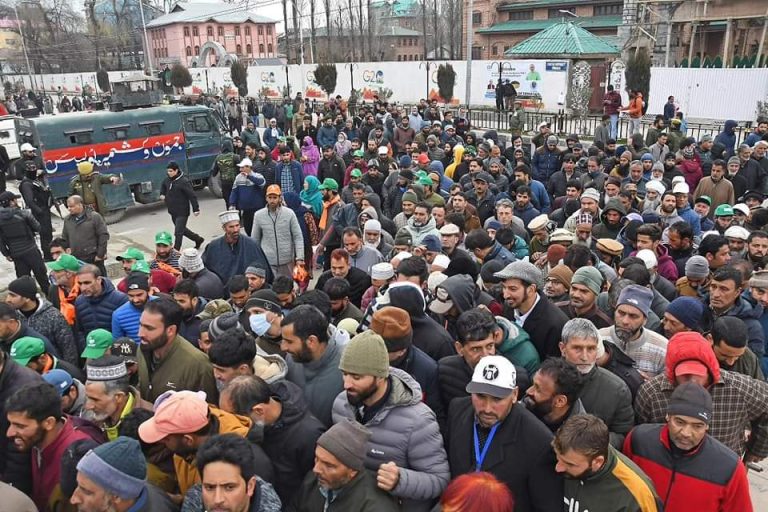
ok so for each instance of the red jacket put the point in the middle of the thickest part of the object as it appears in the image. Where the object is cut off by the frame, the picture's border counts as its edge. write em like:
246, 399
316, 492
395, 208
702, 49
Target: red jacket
710, 478
691, 169
46, 463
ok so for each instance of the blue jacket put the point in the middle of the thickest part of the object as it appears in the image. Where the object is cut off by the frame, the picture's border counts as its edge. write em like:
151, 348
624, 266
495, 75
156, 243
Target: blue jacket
96, 312
691, 217
445, 181
345, 217
545, 163
499, 252
527, 214
326, 136
248, 193
540, 198
125, 321
294, 168
728, 138
269, 139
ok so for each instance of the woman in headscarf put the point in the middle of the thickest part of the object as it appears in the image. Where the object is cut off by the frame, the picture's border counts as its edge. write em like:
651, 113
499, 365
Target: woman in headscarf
310, 157
306, 223
312, 196
342, 145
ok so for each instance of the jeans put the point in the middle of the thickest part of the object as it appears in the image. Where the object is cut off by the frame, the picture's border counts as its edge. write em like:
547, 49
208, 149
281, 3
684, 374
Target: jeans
634, 126
614, 131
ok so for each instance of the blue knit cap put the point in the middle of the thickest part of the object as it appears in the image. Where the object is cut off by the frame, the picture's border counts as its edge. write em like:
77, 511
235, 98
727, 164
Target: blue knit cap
405, 162
688, 310
646, 156
118, 467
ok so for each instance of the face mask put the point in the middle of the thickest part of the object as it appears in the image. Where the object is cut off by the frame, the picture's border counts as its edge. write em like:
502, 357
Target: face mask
259, 324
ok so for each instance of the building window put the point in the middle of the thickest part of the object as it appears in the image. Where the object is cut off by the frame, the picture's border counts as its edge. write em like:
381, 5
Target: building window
221, 31
494, 50
189, 51
269, 48
269, 30
261, 48
247, 31
608, 10
209, 31
237, 31
186, 31
260, 30
506, 47
520, 15
477, 52
197, 50
555, 13
195, 32
477, 18
399, 58
239, 50
248, 49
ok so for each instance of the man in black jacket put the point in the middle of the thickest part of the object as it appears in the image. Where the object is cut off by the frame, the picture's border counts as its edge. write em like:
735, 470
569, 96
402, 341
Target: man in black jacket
38, 198
290, 430
177, 192
17, 239
331, 166
526, 306
509, 442
15, 466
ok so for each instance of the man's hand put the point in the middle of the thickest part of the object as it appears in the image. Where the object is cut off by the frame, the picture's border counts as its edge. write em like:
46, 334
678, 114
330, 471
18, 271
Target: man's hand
99, 258
388, 476
115, 180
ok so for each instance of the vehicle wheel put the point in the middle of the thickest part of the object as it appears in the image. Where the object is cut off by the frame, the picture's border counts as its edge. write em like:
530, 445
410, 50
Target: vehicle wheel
114, 216
214, 185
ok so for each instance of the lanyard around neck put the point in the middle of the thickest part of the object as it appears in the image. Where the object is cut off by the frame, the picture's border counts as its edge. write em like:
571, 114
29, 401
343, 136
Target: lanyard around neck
480, 455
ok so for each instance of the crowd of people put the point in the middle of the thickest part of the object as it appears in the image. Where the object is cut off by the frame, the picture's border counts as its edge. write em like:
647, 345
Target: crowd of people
401, 313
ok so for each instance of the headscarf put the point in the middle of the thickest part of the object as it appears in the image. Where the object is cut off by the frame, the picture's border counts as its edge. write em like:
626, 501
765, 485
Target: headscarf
312, 195
343, 146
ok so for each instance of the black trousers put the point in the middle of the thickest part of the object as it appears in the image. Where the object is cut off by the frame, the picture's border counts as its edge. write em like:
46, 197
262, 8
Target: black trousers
226, 190
180, 231
499, 103
30, 262
46, 234
246, 220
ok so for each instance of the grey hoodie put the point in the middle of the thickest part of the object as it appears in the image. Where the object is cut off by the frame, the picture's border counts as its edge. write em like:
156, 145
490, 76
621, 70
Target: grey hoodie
419, 232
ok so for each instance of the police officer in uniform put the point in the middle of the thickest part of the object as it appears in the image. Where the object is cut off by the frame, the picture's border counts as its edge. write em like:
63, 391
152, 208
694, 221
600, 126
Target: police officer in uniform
17, 239
38, 198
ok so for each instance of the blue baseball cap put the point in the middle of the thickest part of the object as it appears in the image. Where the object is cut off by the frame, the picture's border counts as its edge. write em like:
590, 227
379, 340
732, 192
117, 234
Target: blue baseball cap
59, 379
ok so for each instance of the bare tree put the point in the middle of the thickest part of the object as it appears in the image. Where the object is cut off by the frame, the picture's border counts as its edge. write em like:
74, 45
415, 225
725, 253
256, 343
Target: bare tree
285, 29
360, 24
370, 32
328, 32
312, 31
424, 26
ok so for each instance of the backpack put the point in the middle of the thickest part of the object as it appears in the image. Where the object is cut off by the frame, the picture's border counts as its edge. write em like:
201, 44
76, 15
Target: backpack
227, 168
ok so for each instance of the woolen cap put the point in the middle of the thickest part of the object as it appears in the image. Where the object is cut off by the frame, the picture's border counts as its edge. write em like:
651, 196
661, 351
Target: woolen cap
697, 267
347, 440
394, 326
591, 193
688, 310
366, 354
190, 260
555, 254
759, 279
636, 296
382, 271
24, 286
410, 197
692, 400
562, 274
119, 467
589, 277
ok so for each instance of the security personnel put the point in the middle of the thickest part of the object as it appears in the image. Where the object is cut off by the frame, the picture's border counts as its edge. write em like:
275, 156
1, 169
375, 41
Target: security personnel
38, 198
17, 239
87, 184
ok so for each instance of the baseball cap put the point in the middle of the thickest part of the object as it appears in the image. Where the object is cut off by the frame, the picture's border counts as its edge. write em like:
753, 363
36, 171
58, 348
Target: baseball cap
131, 253
137, 281
163, 238
724, 210
245, 162
126, 349
5, 197
704, 199
27, 147
26, 348
140, 266
329, 184
96, 343
273, 189
483, 176
356, 173
65, 262
691, 367
442, 303
494, 376
59, 379
383, 150
741, 208
183, 412
359, 153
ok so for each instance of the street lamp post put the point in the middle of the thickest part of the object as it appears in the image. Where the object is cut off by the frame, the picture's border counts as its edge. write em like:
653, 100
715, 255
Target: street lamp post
351, 66
24, 48
428, 65
148, 53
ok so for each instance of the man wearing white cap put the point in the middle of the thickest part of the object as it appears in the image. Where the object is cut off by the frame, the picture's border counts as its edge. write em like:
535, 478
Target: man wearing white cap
684, 210
232, 253
247, 195
373, 237
737, 240
509, 441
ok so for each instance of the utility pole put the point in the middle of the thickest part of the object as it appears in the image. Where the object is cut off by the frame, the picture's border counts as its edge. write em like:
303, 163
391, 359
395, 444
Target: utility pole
147, 51
24, 48
470, 33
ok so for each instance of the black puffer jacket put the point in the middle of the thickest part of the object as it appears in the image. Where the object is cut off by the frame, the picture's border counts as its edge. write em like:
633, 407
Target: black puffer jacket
17, 231
453, 375
290, 443
179, 194
15, 466
49, 322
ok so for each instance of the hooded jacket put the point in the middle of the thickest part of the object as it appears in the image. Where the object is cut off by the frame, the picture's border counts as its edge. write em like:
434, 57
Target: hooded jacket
458, 156
728, 138
516, 346
404, 431
738, 401
605, 230
750, 315
461, 291
445, 181
270, 367
290, 441
96, 312
386, 223
321, 380
428, 335
419, 232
